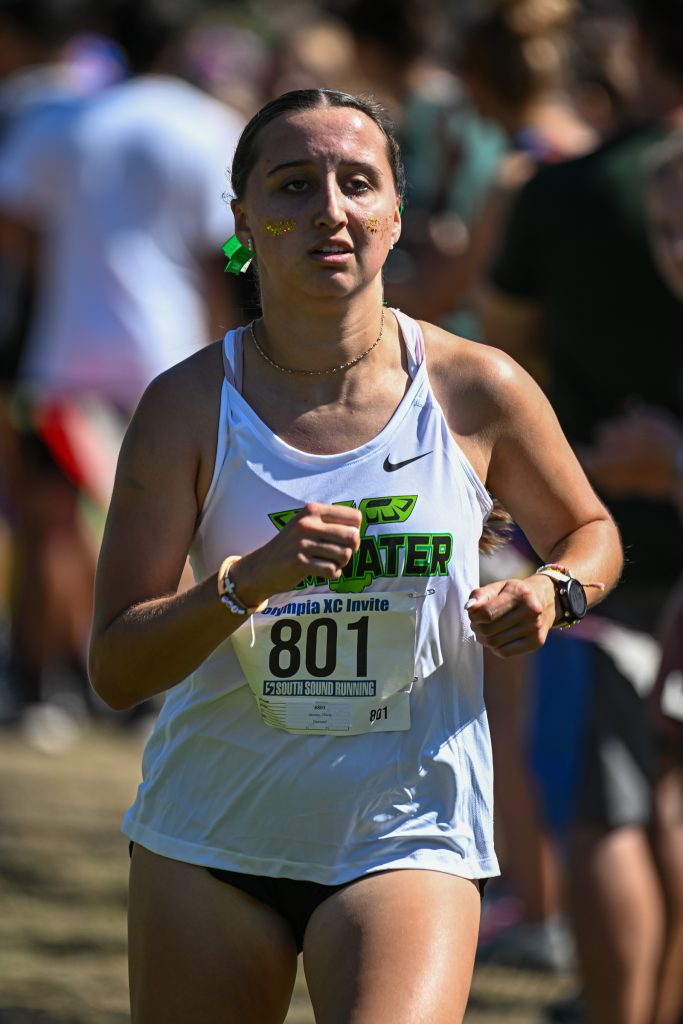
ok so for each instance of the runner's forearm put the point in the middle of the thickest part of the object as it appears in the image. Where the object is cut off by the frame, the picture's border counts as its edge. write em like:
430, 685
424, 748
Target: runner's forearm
154, 645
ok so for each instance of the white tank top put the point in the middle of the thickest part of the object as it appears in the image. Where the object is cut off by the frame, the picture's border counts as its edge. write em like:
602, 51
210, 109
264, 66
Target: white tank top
362, 742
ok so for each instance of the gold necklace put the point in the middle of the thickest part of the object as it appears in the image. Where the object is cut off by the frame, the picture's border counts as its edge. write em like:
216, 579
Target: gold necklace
317, 373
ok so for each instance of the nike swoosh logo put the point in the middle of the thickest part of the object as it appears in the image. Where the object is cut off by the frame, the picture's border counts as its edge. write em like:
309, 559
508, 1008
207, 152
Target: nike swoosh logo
391, 467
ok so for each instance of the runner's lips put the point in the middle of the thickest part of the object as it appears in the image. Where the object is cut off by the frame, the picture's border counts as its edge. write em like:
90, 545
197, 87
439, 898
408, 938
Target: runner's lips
331, 249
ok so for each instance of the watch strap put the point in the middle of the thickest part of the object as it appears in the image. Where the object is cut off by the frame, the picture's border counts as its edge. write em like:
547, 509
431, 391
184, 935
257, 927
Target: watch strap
561, 576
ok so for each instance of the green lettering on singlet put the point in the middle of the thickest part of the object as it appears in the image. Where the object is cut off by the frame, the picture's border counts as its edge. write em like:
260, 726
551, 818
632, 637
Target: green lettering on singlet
442, 549
391, 543
418, 550
367, 562
378, 555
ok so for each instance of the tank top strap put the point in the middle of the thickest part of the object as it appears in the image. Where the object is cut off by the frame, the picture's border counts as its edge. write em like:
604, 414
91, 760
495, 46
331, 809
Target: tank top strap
413, 340
233, 346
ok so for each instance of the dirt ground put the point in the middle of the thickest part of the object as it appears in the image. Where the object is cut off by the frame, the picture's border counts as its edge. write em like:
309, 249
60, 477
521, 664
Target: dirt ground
63, 867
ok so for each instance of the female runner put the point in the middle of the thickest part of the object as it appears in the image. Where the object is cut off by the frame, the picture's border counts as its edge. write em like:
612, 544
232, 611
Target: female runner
319, 776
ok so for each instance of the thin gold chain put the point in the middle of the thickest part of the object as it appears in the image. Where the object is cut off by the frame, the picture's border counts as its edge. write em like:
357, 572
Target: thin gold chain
317, 373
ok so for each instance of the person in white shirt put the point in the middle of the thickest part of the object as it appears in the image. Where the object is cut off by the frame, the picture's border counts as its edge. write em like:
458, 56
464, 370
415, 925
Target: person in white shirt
124, 191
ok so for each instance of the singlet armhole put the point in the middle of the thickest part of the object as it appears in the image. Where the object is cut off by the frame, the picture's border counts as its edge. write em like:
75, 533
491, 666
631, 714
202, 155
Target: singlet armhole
231, 351
222, 444
416, 352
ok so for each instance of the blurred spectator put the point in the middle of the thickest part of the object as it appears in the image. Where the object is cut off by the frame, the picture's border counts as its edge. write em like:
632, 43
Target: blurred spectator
585, 81
312, 49
664, 203
451, 155
228, 50
515, 59
641, 453
34, 74
667, 832
248, 52
123, 159
130, 220
577, 284
604, 80
37, 72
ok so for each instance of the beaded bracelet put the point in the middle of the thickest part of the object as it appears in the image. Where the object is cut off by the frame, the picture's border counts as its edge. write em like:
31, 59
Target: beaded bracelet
555, 569
227, 593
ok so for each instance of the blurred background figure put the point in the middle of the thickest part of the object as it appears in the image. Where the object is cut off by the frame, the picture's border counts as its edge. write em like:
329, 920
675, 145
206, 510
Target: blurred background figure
603, 79
314, 48
49, 57
227, 50
245, 53
518, 60
121, 194
664, 205
451, 153
37, 70
576, 290
641, 454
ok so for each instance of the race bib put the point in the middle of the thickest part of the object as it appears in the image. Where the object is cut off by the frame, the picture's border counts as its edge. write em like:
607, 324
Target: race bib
339, 665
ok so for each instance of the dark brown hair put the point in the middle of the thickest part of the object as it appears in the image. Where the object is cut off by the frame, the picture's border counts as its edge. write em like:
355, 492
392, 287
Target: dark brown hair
298, 100
497, 529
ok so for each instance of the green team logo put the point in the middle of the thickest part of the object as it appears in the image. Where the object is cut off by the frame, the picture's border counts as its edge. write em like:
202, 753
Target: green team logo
383, 554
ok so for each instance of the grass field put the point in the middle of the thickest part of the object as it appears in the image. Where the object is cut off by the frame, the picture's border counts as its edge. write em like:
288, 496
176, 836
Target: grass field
63, 870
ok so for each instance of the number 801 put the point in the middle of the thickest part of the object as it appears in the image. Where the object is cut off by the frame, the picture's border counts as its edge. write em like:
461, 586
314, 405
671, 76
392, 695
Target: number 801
285, 656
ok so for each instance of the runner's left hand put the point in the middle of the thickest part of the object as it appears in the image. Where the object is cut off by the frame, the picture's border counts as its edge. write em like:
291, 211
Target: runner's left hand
512, 616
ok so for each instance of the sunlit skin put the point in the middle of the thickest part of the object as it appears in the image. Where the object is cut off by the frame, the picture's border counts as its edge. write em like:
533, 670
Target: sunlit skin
328, 171
664, 198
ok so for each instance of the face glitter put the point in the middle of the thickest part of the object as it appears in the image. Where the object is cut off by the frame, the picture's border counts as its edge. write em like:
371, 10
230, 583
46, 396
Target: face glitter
372, 224
279, 227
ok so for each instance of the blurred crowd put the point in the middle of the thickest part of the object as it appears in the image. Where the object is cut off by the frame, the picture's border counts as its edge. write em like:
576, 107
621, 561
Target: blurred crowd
543, 142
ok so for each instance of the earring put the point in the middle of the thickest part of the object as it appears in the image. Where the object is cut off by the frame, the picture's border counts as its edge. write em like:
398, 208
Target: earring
250, 244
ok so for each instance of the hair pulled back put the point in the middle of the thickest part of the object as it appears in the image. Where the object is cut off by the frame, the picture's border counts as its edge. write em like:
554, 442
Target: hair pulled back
520, 48
246, 153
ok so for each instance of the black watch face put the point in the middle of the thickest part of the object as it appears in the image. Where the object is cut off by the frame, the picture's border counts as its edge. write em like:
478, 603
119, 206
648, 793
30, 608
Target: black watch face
576, 599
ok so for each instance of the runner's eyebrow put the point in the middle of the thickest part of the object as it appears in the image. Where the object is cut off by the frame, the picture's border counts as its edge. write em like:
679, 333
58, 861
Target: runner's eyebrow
285, 166
366, 168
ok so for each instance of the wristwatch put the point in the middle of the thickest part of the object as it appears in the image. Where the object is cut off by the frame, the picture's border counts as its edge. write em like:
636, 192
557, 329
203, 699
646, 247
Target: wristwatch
571, 595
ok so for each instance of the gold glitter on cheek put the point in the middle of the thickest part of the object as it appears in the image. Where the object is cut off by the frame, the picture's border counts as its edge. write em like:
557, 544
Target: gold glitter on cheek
279, 227
372, 224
